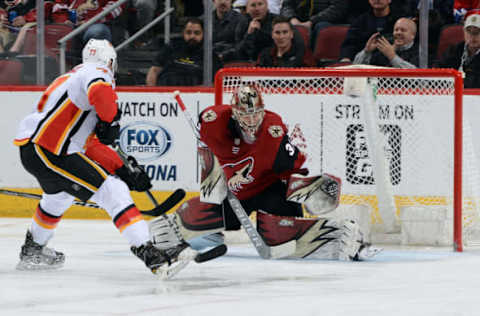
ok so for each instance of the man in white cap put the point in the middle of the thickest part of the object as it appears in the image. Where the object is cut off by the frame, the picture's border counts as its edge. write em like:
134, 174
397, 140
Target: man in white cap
465, 55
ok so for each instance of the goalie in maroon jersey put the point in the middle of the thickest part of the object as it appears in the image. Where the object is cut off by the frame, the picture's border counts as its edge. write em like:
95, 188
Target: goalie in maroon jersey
252, 147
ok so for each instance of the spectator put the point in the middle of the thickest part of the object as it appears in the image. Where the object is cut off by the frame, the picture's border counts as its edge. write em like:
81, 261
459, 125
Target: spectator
224, 23
105, 28
254, 30
145, 12
274, 6
285, 52
403, 53
440, 13
461, 7
9, 44
465, 55
181, 64
315, 15
380, 18
19, 12
355, 9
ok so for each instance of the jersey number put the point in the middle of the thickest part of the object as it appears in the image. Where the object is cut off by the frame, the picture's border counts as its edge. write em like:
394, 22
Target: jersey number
290, 149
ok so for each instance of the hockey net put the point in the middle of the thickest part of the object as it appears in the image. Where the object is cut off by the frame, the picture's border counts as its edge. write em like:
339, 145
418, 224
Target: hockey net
394, 136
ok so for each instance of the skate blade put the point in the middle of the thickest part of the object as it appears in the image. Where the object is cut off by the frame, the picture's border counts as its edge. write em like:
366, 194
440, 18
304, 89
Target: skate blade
30, 266
369, 252
166, 272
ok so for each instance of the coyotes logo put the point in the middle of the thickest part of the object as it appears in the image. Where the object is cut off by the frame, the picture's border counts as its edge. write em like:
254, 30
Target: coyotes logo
275, 131
241, 174
209, 116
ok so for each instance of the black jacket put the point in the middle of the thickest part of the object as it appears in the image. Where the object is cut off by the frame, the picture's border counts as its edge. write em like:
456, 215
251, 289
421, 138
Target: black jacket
224, 34
333, 11
452, 59
250, 45
361, 30
295, 57
410, 55
181, 64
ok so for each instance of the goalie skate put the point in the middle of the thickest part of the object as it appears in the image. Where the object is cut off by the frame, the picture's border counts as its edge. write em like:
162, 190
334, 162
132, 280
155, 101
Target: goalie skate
366, 252
34, 256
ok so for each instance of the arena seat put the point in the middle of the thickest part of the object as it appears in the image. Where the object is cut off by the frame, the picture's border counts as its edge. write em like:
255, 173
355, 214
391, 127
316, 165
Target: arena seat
231, 64
328, 43
305, 33
53, 32
449, 35
10, 72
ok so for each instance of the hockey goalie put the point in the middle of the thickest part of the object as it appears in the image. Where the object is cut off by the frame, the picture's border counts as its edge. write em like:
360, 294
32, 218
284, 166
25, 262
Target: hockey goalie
248, 152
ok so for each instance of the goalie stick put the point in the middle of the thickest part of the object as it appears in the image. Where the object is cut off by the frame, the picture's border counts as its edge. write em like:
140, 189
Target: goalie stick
265, 251
160, 209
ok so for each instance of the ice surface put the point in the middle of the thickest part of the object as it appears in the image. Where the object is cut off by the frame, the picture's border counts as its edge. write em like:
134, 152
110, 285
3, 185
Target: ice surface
102, 277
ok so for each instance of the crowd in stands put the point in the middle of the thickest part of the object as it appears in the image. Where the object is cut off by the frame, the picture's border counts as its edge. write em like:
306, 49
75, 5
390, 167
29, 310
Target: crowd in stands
263, 33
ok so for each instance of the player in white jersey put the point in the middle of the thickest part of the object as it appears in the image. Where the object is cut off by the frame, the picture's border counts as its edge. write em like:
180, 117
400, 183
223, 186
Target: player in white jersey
55, 141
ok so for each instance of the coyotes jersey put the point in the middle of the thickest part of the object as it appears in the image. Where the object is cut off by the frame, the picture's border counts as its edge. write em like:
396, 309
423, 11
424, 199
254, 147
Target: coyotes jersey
249, 168
66, 113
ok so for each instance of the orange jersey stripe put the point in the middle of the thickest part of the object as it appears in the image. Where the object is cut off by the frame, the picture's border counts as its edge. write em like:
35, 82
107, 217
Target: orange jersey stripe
20, 142
55, 130
49, 90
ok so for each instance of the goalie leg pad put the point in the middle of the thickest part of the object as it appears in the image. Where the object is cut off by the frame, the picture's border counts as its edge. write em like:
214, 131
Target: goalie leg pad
316, 237
193, 219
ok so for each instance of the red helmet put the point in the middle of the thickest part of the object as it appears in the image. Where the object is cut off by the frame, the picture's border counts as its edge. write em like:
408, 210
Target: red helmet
248, 109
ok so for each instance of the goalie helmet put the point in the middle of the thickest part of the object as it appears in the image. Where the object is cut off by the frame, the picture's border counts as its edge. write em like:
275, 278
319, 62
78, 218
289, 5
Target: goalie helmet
100, 51
248, 109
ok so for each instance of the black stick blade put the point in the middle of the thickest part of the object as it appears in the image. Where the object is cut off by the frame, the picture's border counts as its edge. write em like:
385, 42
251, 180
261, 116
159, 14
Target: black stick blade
166, 205
211, 254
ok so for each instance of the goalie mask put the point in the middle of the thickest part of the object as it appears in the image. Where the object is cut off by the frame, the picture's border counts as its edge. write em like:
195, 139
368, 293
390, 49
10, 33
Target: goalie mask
247, 106
100, 51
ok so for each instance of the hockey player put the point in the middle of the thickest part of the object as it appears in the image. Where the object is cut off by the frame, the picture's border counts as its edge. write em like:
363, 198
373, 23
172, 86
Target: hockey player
257, 158
53, 140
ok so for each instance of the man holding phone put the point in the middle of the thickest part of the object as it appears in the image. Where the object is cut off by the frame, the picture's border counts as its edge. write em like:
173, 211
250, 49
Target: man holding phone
402, 53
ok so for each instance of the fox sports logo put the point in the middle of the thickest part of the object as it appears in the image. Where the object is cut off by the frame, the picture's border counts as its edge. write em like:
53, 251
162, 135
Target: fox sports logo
146, 141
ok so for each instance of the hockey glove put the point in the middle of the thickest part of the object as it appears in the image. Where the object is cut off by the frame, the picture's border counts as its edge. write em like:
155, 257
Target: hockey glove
137, 180
108, 132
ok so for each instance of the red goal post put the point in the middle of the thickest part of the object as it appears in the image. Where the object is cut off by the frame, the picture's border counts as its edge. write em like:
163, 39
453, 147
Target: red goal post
394, 136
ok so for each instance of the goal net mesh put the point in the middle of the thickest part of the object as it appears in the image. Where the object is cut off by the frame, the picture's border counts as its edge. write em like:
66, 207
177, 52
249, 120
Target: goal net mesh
389, 135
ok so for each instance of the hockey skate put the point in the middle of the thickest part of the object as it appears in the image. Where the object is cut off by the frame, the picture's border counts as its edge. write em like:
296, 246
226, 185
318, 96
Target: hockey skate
353, 247
165, 263
34, 256
366, 252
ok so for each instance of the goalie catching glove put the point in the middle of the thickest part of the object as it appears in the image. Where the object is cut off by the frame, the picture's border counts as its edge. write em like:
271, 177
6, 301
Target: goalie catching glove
320, 194
134, 176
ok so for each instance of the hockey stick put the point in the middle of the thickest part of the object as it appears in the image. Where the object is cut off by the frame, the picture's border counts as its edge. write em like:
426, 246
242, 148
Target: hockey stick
199, 257
265, 251
166, 205
160, 209
213, 253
